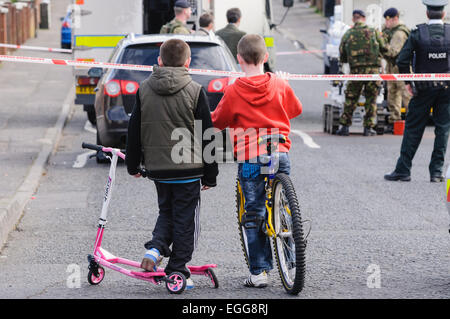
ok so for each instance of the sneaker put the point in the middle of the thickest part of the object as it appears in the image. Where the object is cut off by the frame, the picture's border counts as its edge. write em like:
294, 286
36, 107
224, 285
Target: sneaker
189, 284
151, 260
257, 281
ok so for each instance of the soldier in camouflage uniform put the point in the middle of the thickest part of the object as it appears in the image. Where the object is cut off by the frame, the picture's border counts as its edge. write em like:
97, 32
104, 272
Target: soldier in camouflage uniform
361, 47
395, 34
178, 25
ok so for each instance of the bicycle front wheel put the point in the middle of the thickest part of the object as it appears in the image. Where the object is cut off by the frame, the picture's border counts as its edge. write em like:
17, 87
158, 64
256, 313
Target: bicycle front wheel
289, 242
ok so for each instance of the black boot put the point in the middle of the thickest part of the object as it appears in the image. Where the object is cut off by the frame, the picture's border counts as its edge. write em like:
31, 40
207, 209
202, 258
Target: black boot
368, 131
343, 131
389, 128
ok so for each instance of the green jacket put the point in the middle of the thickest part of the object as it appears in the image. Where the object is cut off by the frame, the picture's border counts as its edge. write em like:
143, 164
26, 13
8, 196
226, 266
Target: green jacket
361, 46
169, 98
175, 26
395, 40
231, 35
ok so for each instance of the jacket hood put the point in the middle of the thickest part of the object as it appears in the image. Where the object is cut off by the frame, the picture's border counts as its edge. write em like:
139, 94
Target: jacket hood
257, 90
169, 80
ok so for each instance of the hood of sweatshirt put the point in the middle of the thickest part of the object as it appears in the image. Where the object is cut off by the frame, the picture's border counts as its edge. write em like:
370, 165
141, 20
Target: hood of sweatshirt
257, 90
169, 80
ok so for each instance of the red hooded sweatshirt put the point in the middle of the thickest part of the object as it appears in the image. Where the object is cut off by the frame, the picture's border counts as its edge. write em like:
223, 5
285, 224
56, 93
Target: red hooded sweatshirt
253, 107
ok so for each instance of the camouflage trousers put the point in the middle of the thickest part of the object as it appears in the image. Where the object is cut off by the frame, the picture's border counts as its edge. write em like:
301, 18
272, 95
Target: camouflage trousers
353, 92
398, 96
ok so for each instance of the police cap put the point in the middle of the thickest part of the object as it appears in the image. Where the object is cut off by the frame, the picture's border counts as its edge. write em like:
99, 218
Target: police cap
359, 12
182, 4
391, 13
437, 5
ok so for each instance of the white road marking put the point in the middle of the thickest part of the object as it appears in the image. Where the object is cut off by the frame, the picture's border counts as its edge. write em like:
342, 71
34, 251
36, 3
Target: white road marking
82, 159
306, 139
90, 128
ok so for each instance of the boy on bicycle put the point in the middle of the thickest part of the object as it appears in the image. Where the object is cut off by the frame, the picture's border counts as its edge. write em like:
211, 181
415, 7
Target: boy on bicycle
262, 103
170, 101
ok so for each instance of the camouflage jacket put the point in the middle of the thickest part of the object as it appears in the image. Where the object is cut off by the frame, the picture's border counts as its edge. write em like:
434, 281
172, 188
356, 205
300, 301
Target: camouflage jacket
175, 26
361, 46
395, 39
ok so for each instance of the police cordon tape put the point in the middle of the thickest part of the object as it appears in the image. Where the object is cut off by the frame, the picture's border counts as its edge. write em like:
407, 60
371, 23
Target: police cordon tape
293, 77
44, 49
32, 48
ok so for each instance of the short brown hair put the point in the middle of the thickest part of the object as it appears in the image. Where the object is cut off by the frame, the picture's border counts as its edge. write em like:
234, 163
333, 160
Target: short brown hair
233, 15
252, 48
175, 52
206, 19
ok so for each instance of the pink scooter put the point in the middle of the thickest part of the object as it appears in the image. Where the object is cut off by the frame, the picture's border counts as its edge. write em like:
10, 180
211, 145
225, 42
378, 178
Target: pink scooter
175, 282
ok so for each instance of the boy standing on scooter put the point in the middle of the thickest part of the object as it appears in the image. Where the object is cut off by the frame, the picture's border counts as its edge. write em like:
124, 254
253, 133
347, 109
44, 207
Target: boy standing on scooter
169, 102
263, 103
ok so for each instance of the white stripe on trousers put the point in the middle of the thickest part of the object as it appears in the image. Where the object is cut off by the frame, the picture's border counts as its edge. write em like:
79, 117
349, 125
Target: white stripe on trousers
197, 222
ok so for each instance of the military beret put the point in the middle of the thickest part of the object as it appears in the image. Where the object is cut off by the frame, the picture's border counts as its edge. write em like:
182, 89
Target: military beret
360, 12
391, 13
182, 4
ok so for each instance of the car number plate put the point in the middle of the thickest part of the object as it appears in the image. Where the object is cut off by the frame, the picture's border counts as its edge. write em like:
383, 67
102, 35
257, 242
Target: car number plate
85, 89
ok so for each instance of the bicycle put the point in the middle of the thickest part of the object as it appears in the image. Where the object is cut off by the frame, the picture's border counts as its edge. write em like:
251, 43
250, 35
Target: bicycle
283, 222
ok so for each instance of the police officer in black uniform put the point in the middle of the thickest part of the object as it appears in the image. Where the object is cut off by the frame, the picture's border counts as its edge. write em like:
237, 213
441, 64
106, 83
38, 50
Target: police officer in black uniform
428, 51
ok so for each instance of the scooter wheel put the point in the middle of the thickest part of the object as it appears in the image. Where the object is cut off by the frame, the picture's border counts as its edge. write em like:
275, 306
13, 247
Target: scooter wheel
211, 275
94, 278
178, 283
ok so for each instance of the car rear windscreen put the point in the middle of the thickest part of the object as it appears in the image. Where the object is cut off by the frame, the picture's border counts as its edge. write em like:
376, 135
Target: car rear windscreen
204, 56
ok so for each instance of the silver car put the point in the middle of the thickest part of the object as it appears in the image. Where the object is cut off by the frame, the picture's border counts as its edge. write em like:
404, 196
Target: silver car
116, 90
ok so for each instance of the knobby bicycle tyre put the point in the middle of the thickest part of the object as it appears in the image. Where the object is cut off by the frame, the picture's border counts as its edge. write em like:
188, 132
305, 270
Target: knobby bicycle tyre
285, 263
240, 212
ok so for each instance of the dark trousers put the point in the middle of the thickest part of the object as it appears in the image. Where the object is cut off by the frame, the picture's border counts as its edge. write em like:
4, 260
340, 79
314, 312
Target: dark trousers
416, 120
178, 224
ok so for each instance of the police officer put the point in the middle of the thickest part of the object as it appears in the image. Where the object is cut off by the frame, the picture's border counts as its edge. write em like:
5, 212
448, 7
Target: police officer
178, 25
395, 34
231, 34
361, 47
429, 45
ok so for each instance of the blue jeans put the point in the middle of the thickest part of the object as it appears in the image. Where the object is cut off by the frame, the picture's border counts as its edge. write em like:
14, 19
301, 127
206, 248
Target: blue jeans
252, 183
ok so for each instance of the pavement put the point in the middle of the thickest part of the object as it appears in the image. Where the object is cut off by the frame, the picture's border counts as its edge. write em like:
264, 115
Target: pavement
36, 101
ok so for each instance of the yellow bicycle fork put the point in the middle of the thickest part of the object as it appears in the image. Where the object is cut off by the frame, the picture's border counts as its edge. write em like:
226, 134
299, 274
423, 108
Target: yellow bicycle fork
270, 229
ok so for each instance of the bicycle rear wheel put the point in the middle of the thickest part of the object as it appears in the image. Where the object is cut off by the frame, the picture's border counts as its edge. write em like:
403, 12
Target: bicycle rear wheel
289, 242
240, 210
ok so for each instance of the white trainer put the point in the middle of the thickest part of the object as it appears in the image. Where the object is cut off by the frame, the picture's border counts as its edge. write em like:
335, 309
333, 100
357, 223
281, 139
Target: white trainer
257, 281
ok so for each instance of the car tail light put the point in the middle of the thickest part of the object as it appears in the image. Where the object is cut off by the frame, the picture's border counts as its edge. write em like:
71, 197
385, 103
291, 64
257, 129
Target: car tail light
87, 81
116, 87
129, 87
219, 85
112, 88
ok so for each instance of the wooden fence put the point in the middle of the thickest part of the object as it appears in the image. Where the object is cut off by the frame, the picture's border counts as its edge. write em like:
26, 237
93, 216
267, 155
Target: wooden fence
18, 22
